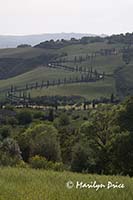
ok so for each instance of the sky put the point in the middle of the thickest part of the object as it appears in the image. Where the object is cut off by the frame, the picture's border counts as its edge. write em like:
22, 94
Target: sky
22, 17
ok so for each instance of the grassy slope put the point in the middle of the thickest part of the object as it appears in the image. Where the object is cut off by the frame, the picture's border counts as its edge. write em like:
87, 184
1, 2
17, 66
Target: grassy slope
105, 64
89, 48
38, 74
128, 74
91, 90
124, 80
28, 184
21, 52
88, 90
102, 64
17, 61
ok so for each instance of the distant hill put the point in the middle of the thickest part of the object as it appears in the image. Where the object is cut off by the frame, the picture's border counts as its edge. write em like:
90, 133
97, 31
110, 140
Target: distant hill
13, 41
69, 61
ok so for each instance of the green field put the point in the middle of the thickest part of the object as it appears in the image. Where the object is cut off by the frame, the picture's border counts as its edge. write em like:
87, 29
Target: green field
105, 64
38, 74
102, 64
108, 64
88, 48
29, 184
22, 52
88, 90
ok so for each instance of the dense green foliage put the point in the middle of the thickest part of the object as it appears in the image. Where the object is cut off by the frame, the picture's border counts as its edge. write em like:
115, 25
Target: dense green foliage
97, 140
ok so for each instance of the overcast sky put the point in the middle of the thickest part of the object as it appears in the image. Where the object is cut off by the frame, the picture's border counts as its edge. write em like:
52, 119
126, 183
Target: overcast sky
54, 16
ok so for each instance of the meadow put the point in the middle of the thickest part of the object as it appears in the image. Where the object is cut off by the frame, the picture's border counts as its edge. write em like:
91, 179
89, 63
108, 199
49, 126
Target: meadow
30, 184
88, 90
37, 75
22, 52
108, 64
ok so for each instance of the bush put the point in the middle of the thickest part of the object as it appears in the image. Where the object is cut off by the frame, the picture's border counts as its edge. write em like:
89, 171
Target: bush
83, 158
79, 158
58, 166
10, 154
11, 121
41, 140
22, 164
5, 132
38, 115
7, 160
24, 117
75, 117
39, 162
85, 118
64, 120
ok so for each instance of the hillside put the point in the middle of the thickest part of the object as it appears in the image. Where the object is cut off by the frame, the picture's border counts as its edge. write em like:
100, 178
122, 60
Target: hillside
88, 90
124, 80
20, 184
38, 74
68, 68
20, 60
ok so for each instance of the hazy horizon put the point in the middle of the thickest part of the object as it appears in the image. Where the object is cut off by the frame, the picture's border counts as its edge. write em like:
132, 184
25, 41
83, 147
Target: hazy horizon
34, 34
33, 17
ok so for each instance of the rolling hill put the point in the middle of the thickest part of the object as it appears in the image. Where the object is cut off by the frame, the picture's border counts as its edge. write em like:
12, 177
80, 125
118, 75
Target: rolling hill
71, 60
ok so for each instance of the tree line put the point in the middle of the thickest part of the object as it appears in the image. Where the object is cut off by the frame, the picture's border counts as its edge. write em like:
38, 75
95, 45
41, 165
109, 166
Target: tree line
86, 77
126, 39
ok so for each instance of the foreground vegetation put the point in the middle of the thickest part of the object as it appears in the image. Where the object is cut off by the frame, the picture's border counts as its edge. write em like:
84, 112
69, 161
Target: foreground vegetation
29, 184
94, 140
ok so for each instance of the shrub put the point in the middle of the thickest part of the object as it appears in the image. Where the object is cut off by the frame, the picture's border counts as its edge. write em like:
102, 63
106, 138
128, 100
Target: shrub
38, 115
58, 166
83, 158
41, 140
10, 153
5, 132
24, 117
12, 121
38, 162
22, 164
64, 120
75, 117
85, 118
7, 160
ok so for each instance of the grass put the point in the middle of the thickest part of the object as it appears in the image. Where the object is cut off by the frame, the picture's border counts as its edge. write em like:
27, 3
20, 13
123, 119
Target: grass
102, 64
89, 48
88, 90
22, 52
71, 50
127, 74
29, 184
38, 74
124, 80
107, 64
